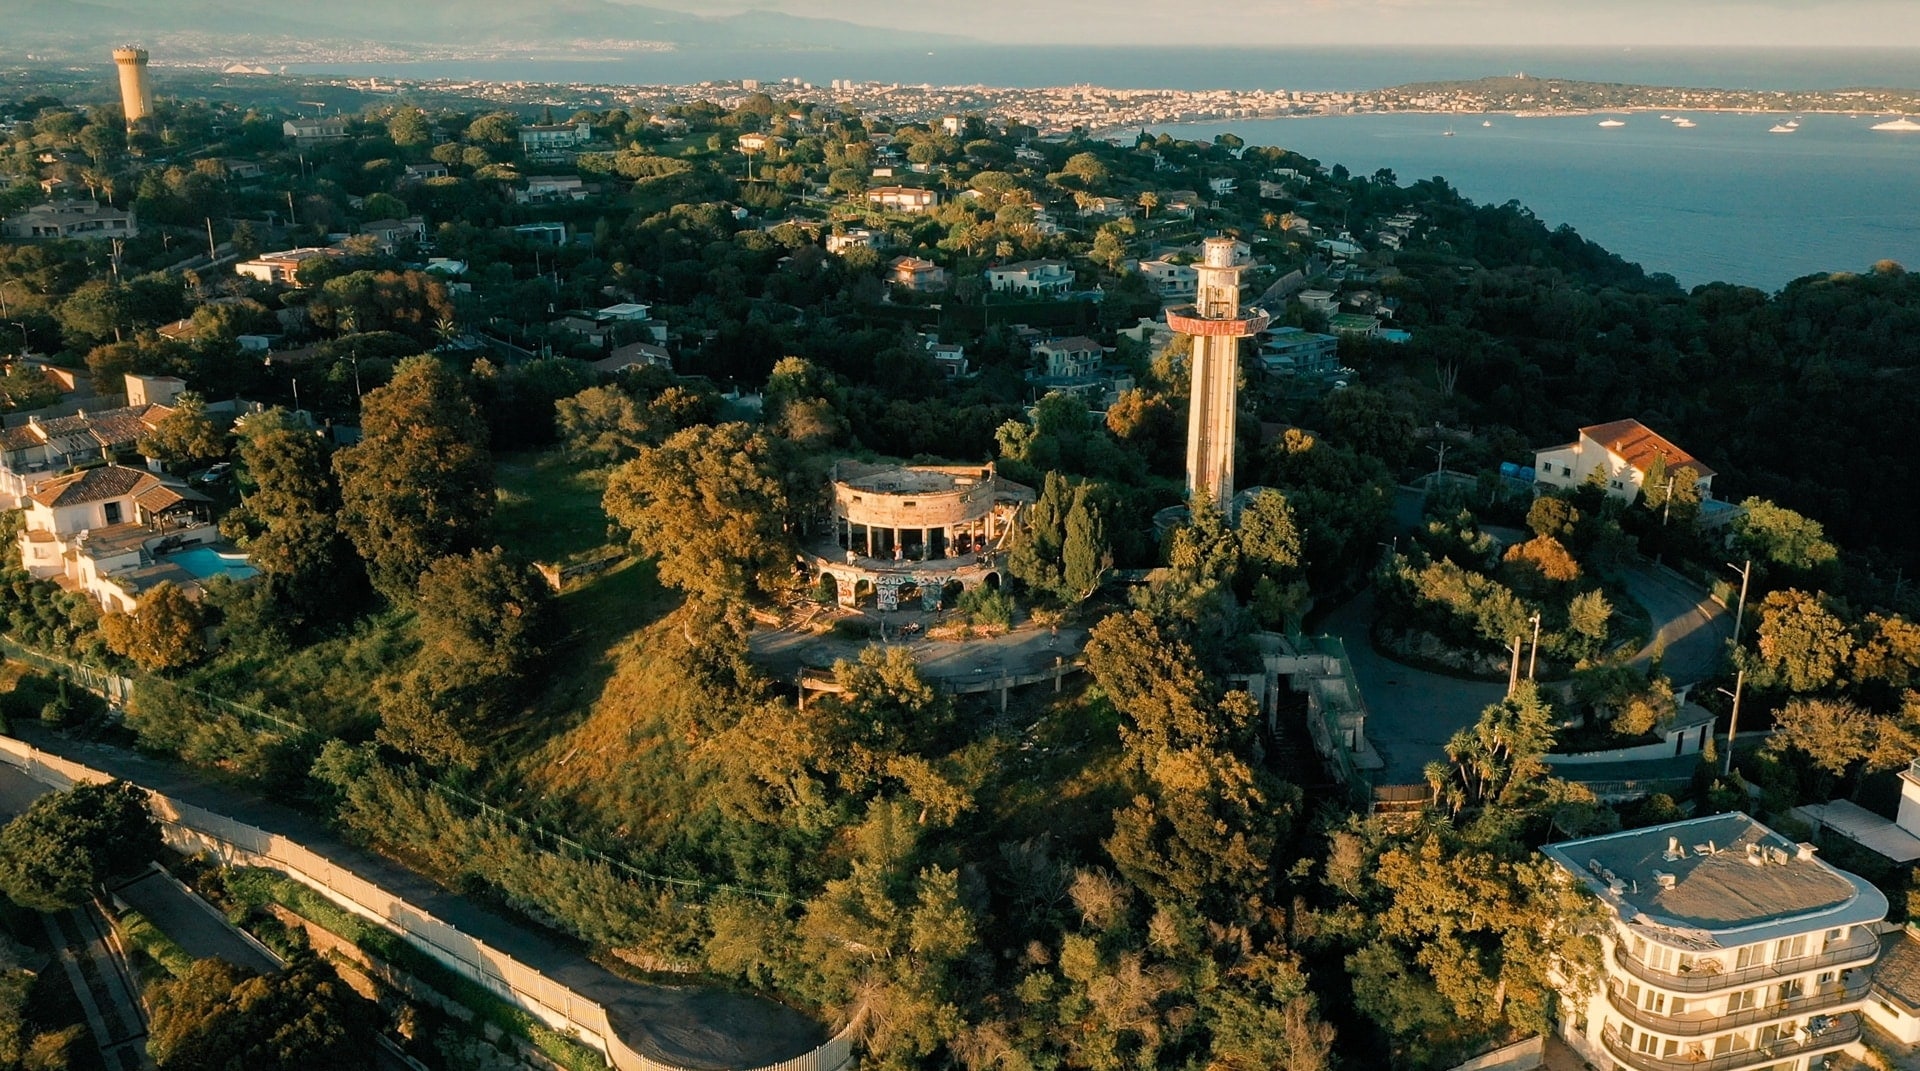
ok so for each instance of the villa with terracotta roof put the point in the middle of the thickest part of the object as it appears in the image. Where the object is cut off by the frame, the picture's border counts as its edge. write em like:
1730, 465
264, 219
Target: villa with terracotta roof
1728, 948
115, 532
1620, 453
40, 448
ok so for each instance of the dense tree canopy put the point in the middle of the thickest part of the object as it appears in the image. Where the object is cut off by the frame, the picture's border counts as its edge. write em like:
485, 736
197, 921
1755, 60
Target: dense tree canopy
53, 855
419, 483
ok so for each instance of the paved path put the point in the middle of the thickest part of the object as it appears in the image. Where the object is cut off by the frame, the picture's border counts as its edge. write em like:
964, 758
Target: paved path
100, 979
784, 652
692, 1026
194, 925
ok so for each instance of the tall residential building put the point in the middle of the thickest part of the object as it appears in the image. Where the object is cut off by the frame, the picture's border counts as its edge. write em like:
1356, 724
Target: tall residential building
1217, 324
136, 93
1729, 948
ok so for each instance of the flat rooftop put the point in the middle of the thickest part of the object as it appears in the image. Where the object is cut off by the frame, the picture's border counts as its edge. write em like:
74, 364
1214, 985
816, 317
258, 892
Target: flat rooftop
901, 480
1726, 872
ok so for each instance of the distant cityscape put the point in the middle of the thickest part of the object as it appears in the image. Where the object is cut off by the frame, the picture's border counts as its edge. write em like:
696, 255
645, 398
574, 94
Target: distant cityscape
1108, 110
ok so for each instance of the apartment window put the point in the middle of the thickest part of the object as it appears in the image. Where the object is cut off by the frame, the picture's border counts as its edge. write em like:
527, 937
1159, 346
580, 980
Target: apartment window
1745, 957
1742, 1000
1648, 1043
113, 512
1656, 1002
1826, 978
1790, 947
1834, 936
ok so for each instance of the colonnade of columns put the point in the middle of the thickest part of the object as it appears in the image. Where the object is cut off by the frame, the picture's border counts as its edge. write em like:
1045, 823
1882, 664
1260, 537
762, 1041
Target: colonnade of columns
969, 537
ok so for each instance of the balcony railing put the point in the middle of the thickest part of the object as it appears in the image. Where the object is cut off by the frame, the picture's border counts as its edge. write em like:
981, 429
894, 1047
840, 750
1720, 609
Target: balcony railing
1863, 949
1854, 991
1844, 1030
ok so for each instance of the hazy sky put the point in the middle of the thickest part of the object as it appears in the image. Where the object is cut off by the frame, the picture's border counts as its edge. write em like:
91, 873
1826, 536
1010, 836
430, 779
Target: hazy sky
1695, 23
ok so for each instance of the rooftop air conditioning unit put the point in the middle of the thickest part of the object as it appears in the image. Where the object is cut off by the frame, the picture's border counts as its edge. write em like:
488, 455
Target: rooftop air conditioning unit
1663, 879
1674, 850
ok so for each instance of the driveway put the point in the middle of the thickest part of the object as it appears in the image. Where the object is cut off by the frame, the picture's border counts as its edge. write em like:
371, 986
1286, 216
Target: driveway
1692, 630
1410, 713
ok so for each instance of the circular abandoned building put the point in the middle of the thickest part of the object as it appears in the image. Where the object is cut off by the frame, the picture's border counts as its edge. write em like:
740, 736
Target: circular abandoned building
920, 532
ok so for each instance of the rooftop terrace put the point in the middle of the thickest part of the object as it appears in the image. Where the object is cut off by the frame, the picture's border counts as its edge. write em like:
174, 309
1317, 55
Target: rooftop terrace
1719, 873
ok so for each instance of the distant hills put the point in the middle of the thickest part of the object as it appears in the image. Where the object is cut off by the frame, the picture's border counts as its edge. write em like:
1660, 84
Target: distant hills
200, 28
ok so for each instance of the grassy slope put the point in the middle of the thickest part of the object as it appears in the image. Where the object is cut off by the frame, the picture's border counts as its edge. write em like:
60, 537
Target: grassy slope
595, 753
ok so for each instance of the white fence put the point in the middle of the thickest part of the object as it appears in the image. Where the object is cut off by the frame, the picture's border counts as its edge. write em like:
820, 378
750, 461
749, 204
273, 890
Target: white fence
1519, 1056
195, 830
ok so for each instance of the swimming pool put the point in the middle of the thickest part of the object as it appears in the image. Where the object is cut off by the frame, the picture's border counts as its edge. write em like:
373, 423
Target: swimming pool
206, 562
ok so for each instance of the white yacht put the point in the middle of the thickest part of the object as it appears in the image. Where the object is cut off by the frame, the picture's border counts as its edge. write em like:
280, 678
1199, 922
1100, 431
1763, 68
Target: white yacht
1902, 125
1611, 123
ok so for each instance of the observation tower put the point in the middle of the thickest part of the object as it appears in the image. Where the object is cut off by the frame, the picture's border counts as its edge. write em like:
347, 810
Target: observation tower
1217, 324
136, 93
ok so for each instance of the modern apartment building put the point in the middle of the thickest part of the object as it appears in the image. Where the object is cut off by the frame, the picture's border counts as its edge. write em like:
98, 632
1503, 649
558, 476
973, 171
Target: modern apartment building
1730, 948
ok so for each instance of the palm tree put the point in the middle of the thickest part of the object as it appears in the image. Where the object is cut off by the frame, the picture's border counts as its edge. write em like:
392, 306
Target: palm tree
1149, 201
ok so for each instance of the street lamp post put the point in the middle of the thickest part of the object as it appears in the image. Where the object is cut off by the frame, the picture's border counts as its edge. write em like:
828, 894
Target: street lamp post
1533, 656
1739, 615
1733, 720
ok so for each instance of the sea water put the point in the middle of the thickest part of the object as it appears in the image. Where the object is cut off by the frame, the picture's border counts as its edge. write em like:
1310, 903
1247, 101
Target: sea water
1722, 201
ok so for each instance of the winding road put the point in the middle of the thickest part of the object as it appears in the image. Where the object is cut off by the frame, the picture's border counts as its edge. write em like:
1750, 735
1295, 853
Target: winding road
1411, 713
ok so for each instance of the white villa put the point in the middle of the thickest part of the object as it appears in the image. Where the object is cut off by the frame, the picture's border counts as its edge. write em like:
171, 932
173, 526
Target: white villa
1031, 278
114, 532
1729, 948
1171, 280
1620, 453
1069, 358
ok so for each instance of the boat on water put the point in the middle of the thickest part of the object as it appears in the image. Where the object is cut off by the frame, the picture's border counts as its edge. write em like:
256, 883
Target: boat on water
1903, 125
1611, 123
1685, 124
1486, 122
1447, 133
1782, 128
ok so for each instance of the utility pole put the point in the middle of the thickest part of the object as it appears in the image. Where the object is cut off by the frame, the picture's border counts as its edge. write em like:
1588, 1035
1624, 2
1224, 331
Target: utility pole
1666, 502
1733, 720
1513, 675
213, 253
1740, 613
1440, 448
1533, 657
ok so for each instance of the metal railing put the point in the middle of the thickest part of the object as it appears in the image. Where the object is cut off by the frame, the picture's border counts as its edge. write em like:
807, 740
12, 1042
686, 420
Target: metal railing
1846, 1029
1860, 951
1850, 993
